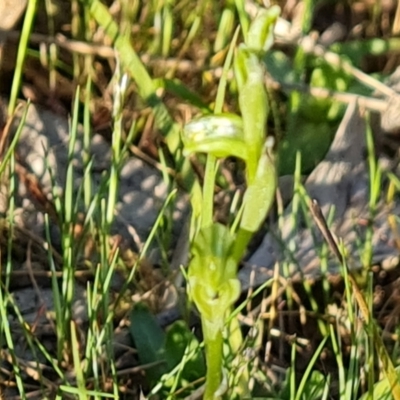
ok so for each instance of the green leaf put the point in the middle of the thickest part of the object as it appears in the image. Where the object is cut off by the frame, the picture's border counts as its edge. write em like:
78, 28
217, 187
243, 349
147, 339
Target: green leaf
279, 66
356, 50
149, 341
381, 389
180, 339
314, 387
260, 194
311, 139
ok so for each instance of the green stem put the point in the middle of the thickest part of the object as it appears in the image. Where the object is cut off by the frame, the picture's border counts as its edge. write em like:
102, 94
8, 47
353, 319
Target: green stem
208, 192
213, 345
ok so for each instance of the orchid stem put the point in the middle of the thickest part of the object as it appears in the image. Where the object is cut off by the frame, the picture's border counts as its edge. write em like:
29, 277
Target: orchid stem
208, 191
213, 345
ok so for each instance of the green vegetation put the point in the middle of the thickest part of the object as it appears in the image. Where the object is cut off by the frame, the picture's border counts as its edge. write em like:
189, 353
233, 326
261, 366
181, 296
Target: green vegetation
233, 111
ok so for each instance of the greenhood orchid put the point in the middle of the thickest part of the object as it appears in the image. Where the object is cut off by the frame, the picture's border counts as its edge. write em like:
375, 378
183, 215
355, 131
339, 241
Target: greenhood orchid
216, 249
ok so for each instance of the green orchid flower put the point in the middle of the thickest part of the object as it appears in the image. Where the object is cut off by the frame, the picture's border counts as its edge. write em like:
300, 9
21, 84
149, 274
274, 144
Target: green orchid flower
260, 195
220, 135
213, 283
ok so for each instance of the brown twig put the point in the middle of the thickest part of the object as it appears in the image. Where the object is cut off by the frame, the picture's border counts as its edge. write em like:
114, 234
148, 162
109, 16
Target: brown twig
368, 103
324, 229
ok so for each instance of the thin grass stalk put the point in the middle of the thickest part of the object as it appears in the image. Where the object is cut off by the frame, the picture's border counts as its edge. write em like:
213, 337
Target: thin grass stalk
310, 366
75, 29
51, 57
369, 353
87, 353
68, 219
93, 351
337, 351
143, 253
87, 180
108, 208
292, 372
254, 294
35, 346
12, 146
57, 297
104, 265
104, 309
120, 88
353, 376
5, 328
76, 360
26, 333
10, 211
293, 221
192, 32
304, 200
173, 374
69, 392
22, 49
375, 175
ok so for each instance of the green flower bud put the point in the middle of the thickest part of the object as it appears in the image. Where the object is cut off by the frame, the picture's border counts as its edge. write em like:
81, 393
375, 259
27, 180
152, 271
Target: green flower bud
261, 33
